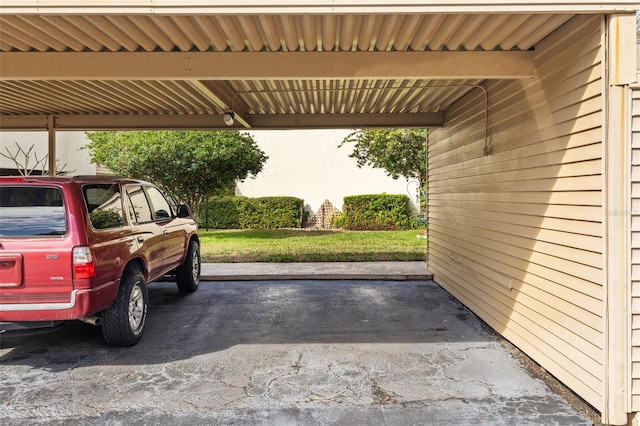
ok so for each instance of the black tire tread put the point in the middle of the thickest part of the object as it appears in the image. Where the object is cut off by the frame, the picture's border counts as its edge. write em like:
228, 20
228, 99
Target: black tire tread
115, 319
184, 277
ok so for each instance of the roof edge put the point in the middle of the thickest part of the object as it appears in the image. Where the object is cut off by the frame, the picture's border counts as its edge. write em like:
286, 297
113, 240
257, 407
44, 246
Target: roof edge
163, 7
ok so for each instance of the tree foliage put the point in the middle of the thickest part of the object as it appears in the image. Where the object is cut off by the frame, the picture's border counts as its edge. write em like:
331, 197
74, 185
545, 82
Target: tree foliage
400, 152
188, 165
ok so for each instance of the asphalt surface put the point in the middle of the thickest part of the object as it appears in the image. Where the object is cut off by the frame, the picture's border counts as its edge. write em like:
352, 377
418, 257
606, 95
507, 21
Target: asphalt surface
281, 352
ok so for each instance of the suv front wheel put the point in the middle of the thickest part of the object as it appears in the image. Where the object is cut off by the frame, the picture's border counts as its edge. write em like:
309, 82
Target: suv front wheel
188, 274
124, 321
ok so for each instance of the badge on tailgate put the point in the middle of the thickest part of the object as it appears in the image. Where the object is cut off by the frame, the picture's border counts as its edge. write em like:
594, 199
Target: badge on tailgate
10, 270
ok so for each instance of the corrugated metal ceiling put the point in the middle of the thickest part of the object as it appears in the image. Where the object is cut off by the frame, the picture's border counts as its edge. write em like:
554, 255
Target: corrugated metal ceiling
307, 33
96, 34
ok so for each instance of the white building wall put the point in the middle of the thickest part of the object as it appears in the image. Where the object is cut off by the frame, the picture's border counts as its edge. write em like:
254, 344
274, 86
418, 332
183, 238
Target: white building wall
309, 165
68, 147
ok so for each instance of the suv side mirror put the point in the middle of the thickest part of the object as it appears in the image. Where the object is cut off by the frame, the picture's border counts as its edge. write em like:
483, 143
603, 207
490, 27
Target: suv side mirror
183, 210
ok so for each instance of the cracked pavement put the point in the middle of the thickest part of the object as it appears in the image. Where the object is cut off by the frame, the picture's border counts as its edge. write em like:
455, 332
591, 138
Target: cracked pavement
281, 353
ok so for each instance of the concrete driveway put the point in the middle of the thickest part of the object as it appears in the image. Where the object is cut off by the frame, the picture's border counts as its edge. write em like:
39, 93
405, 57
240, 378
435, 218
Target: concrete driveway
295, 352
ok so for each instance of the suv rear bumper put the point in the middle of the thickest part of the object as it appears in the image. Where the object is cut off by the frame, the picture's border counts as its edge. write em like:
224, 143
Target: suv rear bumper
25, 307
82, 303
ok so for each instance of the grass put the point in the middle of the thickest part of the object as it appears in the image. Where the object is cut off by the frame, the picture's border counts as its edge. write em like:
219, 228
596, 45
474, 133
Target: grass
226, 246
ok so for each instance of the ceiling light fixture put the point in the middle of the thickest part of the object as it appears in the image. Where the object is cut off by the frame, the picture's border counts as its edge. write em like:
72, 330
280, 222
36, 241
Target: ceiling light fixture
228, 118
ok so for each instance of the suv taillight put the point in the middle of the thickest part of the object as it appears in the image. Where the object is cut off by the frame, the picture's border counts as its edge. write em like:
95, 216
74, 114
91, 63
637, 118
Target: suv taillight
83, 266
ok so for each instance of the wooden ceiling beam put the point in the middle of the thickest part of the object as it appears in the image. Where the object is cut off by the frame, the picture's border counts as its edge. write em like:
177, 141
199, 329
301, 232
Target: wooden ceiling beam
265, 65
215, 121
346, 121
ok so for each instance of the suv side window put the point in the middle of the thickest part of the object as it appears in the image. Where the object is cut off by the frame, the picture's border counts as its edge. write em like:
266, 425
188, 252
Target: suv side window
104, 205
160, 205
141, 209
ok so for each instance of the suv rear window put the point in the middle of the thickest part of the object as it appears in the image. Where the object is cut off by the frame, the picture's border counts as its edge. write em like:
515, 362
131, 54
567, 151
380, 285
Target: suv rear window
28, 211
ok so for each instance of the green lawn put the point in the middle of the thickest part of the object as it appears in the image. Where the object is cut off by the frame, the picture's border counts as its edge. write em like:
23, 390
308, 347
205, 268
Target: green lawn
311, 246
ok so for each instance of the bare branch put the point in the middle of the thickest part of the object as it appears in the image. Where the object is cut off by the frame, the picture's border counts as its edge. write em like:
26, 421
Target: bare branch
22, 159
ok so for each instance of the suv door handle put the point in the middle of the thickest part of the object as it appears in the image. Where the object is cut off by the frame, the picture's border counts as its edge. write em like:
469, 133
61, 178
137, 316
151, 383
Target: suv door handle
141, 239
165, 232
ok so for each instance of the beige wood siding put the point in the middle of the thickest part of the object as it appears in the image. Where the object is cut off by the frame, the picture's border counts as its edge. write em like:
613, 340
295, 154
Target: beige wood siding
635, 247
517, 235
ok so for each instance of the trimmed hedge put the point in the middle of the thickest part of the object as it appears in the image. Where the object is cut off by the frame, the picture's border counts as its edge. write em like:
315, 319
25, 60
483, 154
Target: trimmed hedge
376, 212
222, 213
253, 213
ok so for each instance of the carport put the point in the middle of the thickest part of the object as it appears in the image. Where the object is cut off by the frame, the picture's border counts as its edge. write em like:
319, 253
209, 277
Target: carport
531, 163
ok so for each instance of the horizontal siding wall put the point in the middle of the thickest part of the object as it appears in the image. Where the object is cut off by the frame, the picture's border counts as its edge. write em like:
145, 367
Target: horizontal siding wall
635, 247
517, 235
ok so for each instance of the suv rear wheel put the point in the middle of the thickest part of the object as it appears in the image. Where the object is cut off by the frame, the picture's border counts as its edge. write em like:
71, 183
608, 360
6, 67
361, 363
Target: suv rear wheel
188, 274
124, 321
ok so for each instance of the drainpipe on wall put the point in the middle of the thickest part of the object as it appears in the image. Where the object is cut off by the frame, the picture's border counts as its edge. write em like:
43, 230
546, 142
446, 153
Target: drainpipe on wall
620, 63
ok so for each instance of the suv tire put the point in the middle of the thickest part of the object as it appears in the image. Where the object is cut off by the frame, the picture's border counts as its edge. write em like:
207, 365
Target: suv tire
123, 322
188, 274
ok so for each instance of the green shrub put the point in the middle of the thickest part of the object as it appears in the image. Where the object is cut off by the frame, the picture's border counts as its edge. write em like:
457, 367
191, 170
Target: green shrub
253, 213
222, 212
340, 221
377, 212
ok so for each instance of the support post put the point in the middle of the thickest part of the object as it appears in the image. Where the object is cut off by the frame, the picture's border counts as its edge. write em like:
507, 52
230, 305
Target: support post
619, 30
51, 129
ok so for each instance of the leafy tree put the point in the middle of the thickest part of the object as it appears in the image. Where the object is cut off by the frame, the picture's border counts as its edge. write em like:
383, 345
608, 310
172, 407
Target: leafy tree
400, 152
190, 166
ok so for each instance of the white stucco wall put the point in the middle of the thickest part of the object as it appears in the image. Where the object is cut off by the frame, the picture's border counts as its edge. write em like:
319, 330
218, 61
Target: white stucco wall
68, 146
308, 164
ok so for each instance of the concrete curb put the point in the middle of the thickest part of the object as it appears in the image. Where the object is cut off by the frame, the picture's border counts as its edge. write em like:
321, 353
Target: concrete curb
393, 271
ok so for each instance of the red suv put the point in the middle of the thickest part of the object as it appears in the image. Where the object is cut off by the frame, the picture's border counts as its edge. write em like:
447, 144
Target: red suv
84, 248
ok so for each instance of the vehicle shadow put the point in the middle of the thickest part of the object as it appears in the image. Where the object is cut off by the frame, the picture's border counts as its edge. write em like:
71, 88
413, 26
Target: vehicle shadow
221, 315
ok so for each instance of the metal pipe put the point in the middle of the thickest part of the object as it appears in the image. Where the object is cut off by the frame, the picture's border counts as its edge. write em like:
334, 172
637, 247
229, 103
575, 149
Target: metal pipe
92, 320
